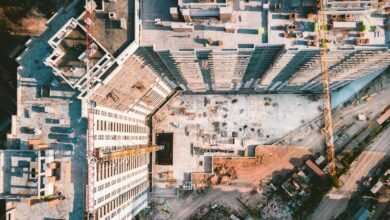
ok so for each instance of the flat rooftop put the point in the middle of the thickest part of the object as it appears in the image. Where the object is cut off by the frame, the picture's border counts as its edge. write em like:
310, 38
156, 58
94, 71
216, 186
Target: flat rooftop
207, 33
297, 30
16, 173
114, 24
293, 23
49, 110
129, 84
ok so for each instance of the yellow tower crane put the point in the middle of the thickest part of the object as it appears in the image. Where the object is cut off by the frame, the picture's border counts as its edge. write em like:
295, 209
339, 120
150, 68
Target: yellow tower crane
132, 151
327, 107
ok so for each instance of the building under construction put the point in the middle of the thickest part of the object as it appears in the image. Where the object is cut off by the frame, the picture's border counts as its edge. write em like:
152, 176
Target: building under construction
217, 45
89, 86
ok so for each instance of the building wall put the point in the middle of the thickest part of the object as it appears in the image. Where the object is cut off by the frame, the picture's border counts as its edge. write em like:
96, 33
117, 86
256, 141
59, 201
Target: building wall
262, 58
227, 68
355, 65
269, 68
188, 65
120, 185
114, 129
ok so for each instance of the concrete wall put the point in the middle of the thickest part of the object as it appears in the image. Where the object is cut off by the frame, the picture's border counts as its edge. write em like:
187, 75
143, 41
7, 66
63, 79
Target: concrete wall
265, 69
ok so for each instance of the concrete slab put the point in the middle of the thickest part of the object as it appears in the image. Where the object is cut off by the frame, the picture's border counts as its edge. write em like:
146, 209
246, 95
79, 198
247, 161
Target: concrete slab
228, 123
247, 21
108, 31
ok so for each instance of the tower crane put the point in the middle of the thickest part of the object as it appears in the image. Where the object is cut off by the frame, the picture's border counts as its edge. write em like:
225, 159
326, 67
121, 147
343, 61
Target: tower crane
327, 107
91, 161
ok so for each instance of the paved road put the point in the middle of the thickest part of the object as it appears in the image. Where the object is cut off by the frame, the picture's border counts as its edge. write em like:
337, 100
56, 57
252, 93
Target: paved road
335, 202
313, 138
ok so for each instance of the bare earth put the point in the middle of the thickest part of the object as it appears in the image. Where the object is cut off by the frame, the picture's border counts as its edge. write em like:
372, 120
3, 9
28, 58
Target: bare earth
227, 194
276, 158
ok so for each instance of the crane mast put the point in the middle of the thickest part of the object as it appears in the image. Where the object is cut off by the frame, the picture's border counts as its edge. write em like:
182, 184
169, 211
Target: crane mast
91, 161
327, 107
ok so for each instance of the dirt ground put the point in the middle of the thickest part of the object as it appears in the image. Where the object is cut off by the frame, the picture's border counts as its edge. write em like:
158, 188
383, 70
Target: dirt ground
271, 160
275, 159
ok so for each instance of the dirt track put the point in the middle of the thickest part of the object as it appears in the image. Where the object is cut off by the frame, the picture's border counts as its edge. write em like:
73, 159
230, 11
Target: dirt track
188, 207
275, 159
279, 158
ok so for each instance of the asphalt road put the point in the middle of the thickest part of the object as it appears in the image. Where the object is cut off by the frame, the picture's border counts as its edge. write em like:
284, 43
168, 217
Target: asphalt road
313, 138
334, 203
